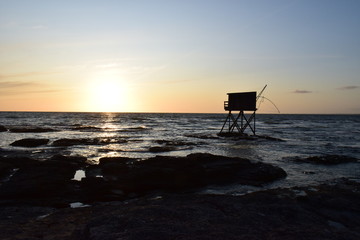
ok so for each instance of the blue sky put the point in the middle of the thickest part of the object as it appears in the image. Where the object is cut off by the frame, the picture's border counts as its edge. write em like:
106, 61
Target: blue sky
179, 56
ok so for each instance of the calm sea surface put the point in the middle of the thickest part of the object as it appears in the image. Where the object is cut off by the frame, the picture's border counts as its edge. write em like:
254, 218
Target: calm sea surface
136, 135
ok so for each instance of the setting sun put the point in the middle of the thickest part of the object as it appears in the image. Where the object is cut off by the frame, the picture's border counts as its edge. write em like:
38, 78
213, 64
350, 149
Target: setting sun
107, 95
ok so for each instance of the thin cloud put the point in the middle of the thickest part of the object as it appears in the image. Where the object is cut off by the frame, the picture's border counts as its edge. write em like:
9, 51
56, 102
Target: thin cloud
301, 91
348, 88
26, 74
21, 87
16, 84
14, 92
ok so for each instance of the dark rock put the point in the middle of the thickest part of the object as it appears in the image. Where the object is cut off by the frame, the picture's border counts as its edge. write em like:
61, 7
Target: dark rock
5, 170
31, 130
237, 135
74, 160
327, 159
18, 162
201, 136
65, 142
87, 128
106, 160
111, 167
187, 173
244, 136
168, 146
30, 142
158, 149
37, 182
44, 184
120, 178
95, 189
174, 143
3, 129
330, 212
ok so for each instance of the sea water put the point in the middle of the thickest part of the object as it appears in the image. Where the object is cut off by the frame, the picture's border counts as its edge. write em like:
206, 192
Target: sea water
136, 134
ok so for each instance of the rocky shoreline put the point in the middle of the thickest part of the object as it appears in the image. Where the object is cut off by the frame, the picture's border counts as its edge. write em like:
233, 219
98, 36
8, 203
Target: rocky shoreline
159, 198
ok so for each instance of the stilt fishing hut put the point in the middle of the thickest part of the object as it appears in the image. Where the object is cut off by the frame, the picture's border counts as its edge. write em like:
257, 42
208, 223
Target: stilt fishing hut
240, 101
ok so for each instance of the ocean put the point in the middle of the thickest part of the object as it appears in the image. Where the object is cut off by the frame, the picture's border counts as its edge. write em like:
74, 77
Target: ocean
144, 135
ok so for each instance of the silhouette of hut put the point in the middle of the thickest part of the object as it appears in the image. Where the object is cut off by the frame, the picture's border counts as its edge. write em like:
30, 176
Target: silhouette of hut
240, 101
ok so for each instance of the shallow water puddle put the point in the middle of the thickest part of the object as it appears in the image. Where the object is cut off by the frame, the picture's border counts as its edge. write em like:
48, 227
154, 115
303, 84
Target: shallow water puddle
79, 174
78, 205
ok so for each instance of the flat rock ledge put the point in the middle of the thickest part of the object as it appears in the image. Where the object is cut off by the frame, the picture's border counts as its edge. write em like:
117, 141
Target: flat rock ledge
174, 174
330, 211
51, 183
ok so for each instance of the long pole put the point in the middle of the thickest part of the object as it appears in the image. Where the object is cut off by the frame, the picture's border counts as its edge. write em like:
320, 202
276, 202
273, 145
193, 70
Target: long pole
258, 96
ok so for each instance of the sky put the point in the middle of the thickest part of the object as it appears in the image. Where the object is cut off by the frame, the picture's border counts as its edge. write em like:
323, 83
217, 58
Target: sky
179, 55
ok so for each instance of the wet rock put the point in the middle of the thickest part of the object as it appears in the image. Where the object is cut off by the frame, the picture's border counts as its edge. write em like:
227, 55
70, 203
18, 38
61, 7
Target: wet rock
17, 162
95, 189
158, 149
174, 143
87, 128
327, 159
65, 142
202, 136
271, 214
42, 183
3, 129
106, 160
188, 173
168, 146
237, 135
37, 182
244, 136
5, 170
31, 130
120, 178
74, 160
30, 142
114, 166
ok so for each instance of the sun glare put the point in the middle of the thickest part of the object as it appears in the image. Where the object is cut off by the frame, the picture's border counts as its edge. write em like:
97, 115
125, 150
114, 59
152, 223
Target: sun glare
108, 95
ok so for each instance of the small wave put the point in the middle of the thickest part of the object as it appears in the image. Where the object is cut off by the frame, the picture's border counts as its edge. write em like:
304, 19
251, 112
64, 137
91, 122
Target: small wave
65, 142
86, 128
135, 129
